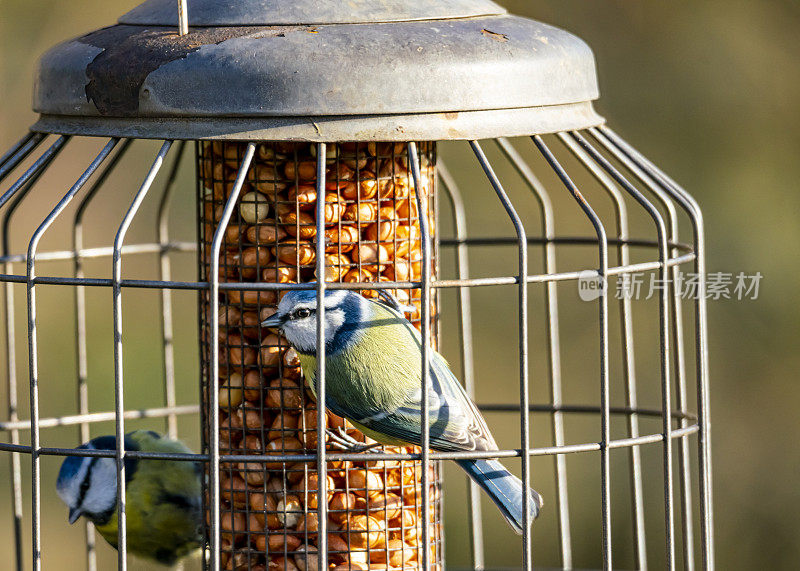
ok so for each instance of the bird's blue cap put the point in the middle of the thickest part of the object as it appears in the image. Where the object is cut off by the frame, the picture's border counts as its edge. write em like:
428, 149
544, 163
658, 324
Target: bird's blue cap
72, 464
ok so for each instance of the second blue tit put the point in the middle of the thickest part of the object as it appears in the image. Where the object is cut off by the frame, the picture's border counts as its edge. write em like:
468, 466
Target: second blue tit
373, 378
163, 507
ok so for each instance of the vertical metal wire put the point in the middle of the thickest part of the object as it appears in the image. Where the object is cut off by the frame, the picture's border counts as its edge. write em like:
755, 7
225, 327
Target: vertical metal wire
183, 18
165, 274
216, 246
628, 363
431, 156
602, 239
553, 341
690, 206
27, 184
465, 326
676, 315
202, 347
522, 310
430, 153
322, 470
80, 321
663, 311
18, 153
13, 416
33, 357
425, 325
119, 405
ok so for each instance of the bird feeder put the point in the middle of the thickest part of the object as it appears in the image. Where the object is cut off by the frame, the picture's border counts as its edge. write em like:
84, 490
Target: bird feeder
316, 126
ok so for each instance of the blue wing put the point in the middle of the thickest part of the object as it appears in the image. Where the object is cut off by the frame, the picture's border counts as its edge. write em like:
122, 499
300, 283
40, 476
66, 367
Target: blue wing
455, 422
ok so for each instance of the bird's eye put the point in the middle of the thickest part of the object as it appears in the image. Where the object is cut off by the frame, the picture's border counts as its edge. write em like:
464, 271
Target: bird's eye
302, 313
84, 486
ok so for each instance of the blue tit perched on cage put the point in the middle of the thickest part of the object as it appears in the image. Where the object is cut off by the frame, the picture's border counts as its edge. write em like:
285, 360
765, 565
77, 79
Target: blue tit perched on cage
163, 498
373, 378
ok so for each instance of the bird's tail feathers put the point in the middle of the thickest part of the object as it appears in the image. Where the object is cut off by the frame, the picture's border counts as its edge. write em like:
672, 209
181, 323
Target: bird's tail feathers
504, 489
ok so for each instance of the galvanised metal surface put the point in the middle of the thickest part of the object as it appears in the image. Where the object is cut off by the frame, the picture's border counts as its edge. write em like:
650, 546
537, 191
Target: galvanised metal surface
432, 79
420, 126
291, 12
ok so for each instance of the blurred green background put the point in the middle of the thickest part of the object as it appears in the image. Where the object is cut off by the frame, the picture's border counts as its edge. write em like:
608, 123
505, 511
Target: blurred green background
708, 90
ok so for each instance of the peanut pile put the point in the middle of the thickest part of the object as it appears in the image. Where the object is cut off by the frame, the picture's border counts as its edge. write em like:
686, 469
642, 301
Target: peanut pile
372, 234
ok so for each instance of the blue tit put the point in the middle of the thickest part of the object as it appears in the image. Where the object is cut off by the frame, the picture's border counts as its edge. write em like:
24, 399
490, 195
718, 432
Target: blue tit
373, 378
163, 498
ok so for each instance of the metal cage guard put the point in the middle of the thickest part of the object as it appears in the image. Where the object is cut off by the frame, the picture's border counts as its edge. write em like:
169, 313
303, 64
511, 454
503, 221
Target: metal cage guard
613, 164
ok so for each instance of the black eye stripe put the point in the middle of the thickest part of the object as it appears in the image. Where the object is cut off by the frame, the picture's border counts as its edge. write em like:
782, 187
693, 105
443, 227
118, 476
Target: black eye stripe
87, 480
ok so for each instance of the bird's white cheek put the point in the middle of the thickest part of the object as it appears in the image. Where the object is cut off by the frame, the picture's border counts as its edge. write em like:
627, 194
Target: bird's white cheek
303, 333
334, 319
102, 495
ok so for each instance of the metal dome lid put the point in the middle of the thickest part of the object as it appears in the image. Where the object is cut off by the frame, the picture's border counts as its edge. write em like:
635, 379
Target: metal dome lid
306, 12
274, 69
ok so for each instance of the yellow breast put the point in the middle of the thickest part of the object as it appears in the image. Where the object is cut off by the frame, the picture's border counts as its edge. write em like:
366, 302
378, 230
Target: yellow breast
308, 363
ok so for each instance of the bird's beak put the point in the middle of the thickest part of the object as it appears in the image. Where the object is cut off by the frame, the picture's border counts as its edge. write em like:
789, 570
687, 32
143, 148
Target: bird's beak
274, 321
74, 514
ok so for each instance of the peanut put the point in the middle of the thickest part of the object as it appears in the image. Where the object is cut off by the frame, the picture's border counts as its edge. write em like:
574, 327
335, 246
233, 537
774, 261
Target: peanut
289, 511
251, 260
230, 396
284, 394
234, 491
341, 502
278, 542
308, 523
229, 316
371, 257
334, 207
302, 170
251, 297
283, 425
300, 223
385, 149
267, 232
301, 253
398, 271
233, 524
336, 266
253, 384
390, 504
341, 238
304, 194
365, 189
400, 553
270, 352
362, 213
279, 447
282, 275
366, 531
306, 558
253, 207
307, 489
365, 483
282, 564
264, 508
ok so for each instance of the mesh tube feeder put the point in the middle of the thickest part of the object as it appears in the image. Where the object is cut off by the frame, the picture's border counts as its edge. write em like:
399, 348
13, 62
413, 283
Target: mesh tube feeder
316, 125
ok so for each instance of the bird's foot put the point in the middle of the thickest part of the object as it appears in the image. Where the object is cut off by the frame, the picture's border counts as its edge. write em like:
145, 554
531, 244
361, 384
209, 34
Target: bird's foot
343, 441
